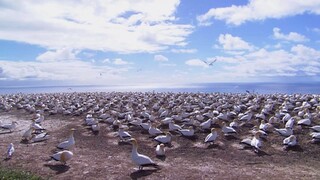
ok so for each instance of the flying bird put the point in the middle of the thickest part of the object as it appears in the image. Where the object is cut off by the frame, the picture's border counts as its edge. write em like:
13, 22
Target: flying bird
209, 63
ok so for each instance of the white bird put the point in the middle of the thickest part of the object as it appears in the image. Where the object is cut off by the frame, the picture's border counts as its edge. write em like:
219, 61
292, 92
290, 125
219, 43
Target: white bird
290, 123
174, 127
187, 132
40, 137
140, 159
123, 134
256, 142
164, 138
315, 128
290, 141
10, 151
227, 130
37, 127
284, 131
234, 124
146, 125
10, 126
160, 150
28, 134
212, 136
62, 156
39, 118
265, 126
206, 125
95, 127
153, 130
69, 142
315, 135
304, 122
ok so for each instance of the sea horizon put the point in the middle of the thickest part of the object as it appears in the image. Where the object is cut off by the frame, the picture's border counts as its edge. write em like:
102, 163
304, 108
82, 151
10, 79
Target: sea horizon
226, 87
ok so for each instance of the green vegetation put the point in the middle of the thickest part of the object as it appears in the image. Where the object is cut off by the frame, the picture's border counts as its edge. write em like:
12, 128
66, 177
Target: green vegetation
6, 174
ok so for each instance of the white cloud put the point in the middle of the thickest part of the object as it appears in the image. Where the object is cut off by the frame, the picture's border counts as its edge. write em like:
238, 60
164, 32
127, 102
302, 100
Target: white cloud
160, 58
292, 36
190, 51
120, 26
107, 60
196, 62
229, 42
299, 61
58, 55
75, 71
119, 61
258, 10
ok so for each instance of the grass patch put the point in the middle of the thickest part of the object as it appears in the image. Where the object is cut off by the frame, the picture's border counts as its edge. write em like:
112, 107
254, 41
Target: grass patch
6, 174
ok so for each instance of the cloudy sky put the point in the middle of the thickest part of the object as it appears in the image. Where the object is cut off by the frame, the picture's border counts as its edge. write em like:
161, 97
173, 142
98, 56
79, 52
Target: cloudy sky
129, 42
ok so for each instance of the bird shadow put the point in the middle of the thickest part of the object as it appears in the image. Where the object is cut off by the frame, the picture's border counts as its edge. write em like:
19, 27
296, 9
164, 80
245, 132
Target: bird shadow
230, 136
192, 138
59, 168
142, 173
296, 148
124, 143
212, 146
260, 152
162, 158
24, 141
5, 132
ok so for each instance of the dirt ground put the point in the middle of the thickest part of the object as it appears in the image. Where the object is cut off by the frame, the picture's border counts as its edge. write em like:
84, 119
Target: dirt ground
101, 156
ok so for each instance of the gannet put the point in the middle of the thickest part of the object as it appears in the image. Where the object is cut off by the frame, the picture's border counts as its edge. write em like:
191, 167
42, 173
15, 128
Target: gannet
140, 159
164, 138
206, 125
187, 132
160, 150
68, 143
40, 137
212, 136
256, 142
290, 141
39, 118
153, 131
304, 122
246, 141
315, 128
234, 124
37, 127
28, 134
95, 127
10, 151
11, 126
284, 131
146, 125
315, 135
123, 134
227, 130
174, 127
166, 120
265, 126
290, 123
62, 156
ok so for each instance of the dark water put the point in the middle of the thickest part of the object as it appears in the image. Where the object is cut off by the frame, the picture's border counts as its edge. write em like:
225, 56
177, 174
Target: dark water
261, 88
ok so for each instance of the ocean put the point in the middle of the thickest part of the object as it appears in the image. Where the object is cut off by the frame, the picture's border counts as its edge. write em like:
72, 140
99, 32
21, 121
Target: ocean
260, 88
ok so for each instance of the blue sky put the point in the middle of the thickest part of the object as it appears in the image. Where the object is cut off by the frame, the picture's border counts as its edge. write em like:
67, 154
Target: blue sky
158, 42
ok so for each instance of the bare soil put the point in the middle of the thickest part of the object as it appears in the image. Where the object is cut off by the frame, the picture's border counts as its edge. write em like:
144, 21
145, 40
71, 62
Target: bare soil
101, 156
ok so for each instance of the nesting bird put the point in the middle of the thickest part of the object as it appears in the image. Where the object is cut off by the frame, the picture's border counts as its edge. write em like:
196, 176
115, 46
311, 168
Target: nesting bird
164, 138
160, 150
140, 159
69, 143
290, 141
10, 151
62, 156
210, 138
10, 126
